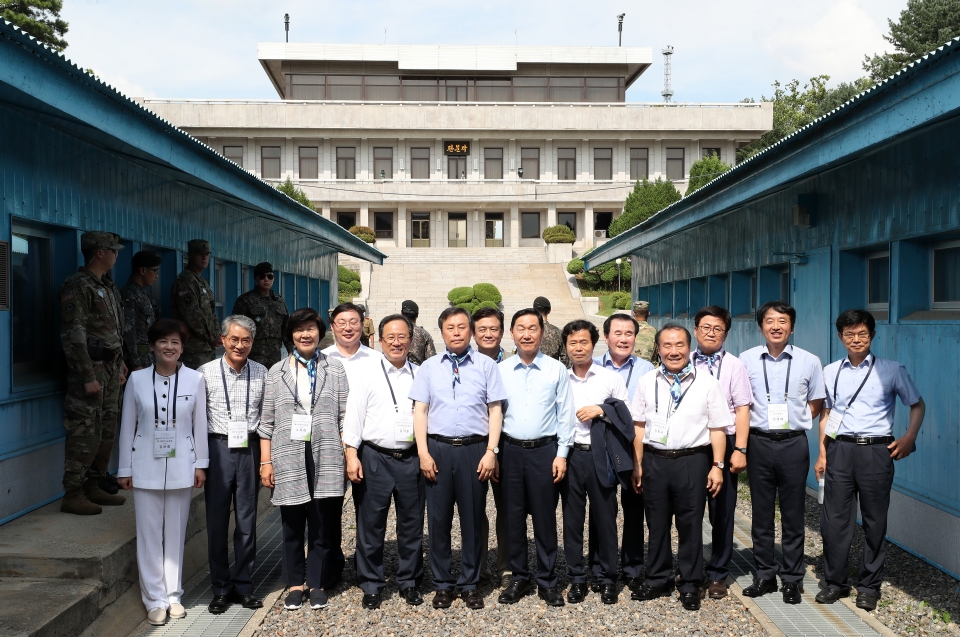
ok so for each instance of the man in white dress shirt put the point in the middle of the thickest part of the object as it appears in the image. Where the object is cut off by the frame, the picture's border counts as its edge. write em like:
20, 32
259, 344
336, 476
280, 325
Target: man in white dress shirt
346, 323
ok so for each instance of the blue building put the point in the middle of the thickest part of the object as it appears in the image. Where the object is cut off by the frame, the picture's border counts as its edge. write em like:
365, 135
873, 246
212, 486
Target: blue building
860, 209
77, 155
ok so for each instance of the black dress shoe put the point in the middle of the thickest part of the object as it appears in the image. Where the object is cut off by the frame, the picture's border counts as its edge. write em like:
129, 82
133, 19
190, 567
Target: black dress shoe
867, 601
792, 592
412, 596
761, 587
512, 594
247, 601
218, 604
577, 592
690, 601
472, 599
443, 598
830, 594
647, 592
608, 594
596, 586
371, 602
634, 583
551, 596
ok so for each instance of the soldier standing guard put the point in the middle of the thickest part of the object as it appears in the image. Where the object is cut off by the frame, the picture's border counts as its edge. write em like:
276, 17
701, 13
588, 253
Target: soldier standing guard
552, 343
421, 347
644, 346
269, 311
92, 344
139, 312
193, 303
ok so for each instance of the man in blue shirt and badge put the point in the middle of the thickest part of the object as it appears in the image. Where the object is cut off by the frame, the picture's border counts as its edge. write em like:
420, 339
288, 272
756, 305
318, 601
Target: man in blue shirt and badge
538, 421
457, 421
857, 450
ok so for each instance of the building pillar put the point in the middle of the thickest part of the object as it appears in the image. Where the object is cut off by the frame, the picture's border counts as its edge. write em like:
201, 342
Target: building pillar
325, 209
325, 160
364, 219
514, 155
401, 234
548, 169
289, 157
514, 225
361, 166
588, 240
585, 167
440, 234
622, 162
477, 158
250, 159
400, 163
438, 165
551, 215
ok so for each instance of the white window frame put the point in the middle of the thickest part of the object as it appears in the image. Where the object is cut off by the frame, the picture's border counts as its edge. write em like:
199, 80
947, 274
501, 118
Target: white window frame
866, 277
943, 305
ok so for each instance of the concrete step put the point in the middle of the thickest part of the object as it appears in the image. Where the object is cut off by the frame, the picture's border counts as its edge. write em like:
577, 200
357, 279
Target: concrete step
31, 607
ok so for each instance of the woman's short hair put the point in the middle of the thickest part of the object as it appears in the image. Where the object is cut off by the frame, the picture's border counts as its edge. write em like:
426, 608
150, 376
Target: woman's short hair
164, 327
299, 318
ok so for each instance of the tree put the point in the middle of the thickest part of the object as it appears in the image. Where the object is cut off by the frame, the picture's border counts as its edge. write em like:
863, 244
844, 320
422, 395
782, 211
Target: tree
705, 170
39, 18
646, 200
295, 193
923, 26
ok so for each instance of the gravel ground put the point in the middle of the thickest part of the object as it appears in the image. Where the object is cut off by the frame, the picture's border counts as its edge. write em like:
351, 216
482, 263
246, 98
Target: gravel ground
916, 598
530, 616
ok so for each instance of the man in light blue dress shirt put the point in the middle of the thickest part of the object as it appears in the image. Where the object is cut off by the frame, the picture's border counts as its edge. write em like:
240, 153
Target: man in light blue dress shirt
787, 386
857, 450
538, 422
457, 420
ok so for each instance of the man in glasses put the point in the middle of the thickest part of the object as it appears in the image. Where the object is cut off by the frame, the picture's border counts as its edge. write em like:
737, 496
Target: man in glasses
268, 311
139, 312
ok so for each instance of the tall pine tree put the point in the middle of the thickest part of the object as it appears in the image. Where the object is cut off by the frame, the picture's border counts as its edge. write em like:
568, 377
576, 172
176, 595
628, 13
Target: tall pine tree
39, 18
923, 26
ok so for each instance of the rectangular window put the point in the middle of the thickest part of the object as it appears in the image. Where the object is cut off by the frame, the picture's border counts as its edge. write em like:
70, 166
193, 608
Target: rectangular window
454, 90
675, 167
309, 162
383, 163
32, 308
234, 154
639, 164
419, 163
383, 225
602, 164
493, 163
945, 263
568, 219
345, 87
566, 89
307, 87
270, 162
346, 162
417, 90
706, 152
529, 225
566, 164
493, 90
346, 219
603, 89
530, 89
666, 299
420, 230
878, 281
382, 88
530, 163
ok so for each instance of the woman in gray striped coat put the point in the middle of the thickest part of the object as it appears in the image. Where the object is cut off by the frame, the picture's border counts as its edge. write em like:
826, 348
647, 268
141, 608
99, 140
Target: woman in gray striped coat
302, 459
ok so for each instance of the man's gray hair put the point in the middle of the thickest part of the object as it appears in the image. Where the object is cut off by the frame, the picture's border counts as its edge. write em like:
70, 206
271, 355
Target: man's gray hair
238, 319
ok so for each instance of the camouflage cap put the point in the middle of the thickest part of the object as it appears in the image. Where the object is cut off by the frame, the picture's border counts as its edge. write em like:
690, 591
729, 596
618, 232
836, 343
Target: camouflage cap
198, 246
98, 240
641, 306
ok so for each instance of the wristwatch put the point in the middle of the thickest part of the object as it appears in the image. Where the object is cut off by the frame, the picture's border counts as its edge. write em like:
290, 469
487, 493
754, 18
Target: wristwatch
742, 450
719, 465
495, 450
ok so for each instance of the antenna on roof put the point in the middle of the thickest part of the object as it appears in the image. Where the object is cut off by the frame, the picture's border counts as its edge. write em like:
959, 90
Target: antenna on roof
620, 27
667, 91
286, 25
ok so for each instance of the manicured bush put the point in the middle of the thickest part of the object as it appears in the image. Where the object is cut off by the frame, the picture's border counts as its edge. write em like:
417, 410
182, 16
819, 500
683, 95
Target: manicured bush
472, 299
345, 275
575, 266
621, 300
559, 234
489, 304
363, 232
456, 296
487, 292
469, 306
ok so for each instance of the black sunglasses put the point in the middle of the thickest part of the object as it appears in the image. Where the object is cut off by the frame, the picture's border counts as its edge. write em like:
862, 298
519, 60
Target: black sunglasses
268, 276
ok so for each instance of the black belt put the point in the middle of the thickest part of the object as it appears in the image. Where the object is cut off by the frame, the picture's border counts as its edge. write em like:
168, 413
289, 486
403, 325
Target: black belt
867, 440
529, 444
250, 435
776, 436
579, 446
676, 453
458, 442
398, 454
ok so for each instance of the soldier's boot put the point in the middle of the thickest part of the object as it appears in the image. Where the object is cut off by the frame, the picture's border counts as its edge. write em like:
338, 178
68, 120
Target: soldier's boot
75, 502
93, 493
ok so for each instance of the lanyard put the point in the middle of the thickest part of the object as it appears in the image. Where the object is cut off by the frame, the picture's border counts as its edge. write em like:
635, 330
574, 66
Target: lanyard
156, 407
295, 392
786, 383
857, 393
656, 393
226, 392
629, 374
390, 385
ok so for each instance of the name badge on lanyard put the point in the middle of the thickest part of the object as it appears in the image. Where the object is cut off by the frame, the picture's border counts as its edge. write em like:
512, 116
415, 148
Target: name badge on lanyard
659, 429
165, 443
778, 416
659, 426
836, 414
237, 436
301, 426
833, 423
403, 423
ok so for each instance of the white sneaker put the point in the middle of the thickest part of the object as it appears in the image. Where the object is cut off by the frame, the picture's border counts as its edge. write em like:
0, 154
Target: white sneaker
157, 616
177, 611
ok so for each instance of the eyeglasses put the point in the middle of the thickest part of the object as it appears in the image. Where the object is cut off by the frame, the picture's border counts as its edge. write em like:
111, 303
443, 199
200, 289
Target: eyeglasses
400, 339
347, 323
706, 329
233, 340
155, 270
268, 276
849, 336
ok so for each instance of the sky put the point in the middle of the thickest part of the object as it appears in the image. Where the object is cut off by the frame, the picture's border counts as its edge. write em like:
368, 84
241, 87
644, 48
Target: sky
723, 51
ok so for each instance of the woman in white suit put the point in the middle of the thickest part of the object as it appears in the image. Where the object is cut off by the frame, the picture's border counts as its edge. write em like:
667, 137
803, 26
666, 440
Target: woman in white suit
163, 457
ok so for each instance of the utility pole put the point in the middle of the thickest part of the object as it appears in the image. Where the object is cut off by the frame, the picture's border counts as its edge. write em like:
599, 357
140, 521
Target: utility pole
286, 25
667, 73
620, 27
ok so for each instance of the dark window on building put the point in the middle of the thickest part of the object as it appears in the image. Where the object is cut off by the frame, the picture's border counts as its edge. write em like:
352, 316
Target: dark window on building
568, 219
383, 225
530, 162
346, 219
706, 152
529, 225
675, 167
383, 163
345, 87
382, 88
346, 162
419, 163
946, 275
309, 165
530, 89
234, 154
566, 163
493, 163
603, 164
417, 90
639, 164
32, 308
602, 221
878, 281
270, 162
454, 90
493, 90
307, 87
566, 89
603, 89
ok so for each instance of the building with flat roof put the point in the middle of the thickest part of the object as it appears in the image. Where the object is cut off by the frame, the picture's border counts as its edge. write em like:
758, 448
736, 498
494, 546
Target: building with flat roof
464, 146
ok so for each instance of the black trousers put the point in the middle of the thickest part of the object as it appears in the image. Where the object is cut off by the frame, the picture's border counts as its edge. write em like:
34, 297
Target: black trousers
500, 528
778, 469
675, 488
324, 563
458, 483
722, 510
631, 546
527, 487
864, 472
232, 481
387, 479
580, 483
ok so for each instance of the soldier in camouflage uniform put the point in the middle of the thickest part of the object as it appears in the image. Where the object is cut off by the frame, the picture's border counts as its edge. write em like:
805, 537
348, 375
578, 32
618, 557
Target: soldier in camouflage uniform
92, 344
139, 312
193, 303
269, 312
422, 347
552, 343
644, 347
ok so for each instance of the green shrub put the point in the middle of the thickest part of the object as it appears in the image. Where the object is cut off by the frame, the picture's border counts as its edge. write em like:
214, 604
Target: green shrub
295, 193
575, 266
559, 234
363, 232
620, 300
489, 304
647, 199
345, 274
456, 296
469, 306
487, 292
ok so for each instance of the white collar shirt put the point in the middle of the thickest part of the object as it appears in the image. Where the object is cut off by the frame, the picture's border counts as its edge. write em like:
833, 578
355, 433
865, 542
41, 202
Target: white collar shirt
371, 414
871, 414
805, 384
597, 386
702, 407
360, 366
